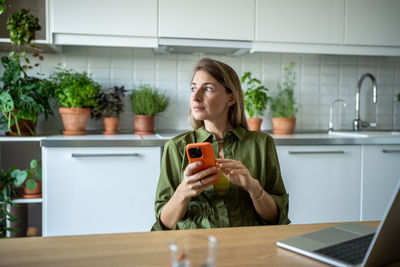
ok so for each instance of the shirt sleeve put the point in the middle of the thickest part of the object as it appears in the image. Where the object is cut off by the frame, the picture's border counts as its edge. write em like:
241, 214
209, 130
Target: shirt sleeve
274, 184
170, 177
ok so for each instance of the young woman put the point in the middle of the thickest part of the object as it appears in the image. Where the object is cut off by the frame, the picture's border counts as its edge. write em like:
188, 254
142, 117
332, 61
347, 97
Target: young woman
252, 194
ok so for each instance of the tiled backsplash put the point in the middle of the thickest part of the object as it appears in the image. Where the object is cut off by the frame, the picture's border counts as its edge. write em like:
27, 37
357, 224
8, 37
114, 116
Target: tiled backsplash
320, 80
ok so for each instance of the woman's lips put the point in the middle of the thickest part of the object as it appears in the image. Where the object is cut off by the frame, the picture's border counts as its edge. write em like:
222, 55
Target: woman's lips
198, 108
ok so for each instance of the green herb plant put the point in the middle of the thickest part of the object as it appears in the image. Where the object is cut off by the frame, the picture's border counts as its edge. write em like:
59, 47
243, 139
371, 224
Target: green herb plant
147, 100
283, 105
74, 89
9, 180
255, 96
23, 26
110, 103
22, 97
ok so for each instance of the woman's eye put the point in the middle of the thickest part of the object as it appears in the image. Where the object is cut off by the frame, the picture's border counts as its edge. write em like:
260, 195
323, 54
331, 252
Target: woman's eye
193, 89
208, 89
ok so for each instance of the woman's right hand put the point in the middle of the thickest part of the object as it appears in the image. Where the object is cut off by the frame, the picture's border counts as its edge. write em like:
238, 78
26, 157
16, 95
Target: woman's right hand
194, 183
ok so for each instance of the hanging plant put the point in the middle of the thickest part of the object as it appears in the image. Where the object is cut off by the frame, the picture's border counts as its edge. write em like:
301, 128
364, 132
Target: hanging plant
23, 26
2, 6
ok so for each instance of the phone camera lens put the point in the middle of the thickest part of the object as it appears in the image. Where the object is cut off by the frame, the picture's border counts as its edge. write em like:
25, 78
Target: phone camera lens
195, 152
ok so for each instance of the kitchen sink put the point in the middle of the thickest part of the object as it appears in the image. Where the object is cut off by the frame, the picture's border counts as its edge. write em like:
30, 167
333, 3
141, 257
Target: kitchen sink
365, 133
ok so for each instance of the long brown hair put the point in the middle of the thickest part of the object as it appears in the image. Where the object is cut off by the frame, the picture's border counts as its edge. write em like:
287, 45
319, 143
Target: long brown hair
226, 76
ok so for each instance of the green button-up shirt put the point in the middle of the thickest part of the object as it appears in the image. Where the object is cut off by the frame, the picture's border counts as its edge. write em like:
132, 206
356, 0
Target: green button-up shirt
256, 150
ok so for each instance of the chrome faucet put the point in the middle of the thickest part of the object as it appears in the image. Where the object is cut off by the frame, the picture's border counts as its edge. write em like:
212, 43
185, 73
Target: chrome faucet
358, 124
330, 125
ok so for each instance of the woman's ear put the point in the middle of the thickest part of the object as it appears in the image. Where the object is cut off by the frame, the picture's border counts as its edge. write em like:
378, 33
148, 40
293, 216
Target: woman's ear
231, 100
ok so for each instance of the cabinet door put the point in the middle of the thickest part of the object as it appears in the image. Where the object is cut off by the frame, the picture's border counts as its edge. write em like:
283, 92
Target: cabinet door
306, 21
99, 190
381, 173
323, 182
371, 22
102, 17
207, 19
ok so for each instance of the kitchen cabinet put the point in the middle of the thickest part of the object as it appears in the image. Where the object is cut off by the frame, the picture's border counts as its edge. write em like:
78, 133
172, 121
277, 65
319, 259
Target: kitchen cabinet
306, 21
370, 22
380, 175
124, 23
208, 19
94, 190
323, 182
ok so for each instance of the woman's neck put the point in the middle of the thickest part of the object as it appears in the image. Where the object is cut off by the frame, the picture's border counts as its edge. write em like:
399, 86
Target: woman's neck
218, 129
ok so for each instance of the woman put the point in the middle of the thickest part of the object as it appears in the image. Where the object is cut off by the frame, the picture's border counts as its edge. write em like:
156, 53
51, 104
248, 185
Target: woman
253, 194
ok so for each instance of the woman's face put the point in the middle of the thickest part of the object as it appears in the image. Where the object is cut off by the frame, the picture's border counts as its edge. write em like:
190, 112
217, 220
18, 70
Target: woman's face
209, 99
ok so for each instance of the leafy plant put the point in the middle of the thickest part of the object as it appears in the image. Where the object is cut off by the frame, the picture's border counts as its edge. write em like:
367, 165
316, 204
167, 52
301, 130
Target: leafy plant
74, 89
22, 97
23, 27
8, 181
283, 105
398, 97
2, 6
255, 96
110, 104
146, 100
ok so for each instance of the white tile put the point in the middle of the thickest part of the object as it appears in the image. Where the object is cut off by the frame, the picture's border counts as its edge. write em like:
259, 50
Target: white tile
313, 59
330, 59
328, 79
310, 69
367, 60
348, 59
144, 75
329, 90
311, 89
330, 69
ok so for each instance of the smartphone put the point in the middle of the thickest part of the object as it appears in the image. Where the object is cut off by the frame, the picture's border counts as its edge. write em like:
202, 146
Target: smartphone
202, 152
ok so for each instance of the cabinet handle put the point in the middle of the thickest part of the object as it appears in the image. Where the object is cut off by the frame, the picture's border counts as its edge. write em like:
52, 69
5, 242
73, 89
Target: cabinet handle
83, 155
315, 152
391, 151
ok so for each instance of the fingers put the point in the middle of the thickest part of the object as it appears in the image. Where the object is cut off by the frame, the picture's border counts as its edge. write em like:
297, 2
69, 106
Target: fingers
191, 167
201, 174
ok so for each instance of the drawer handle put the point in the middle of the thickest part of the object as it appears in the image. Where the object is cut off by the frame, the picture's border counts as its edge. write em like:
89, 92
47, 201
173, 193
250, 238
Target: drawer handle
315, 152
391, 151
83, 155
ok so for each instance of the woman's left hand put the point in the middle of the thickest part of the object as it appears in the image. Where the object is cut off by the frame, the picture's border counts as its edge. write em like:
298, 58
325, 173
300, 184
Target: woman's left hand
237, 173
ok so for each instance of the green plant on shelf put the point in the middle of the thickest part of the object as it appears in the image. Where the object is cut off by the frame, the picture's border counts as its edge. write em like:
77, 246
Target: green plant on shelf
255, 96
23, 26
22, 97
147, 100
9, 180
283, 105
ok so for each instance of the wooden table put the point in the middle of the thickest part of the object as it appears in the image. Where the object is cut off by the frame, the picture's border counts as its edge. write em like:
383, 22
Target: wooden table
243, 246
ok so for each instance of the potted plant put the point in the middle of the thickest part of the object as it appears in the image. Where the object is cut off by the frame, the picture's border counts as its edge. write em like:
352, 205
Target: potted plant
146, 102
76, 94
283, 105
255, 100
32, 179
110, 105
9, 180
22, 99
23, 26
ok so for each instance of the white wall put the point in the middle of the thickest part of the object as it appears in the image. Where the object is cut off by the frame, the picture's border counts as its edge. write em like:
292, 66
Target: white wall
320, 80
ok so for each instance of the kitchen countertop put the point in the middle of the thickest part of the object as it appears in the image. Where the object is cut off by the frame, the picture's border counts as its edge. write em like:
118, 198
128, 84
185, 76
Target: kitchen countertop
159, 139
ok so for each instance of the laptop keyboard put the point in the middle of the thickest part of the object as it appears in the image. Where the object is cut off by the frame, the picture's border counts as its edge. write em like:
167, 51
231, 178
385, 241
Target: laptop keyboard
352, 251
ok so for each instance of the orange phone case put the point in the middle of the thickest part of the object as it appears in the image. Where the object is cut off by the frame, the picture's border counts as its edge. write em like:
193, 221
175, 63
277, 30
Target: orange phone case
207, 156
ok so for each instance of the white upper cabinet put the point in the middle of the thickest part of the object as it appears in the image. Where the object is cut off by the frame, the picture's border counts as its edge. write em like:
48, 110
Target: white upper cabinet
207, 19
372, 22
306, 21
101, 22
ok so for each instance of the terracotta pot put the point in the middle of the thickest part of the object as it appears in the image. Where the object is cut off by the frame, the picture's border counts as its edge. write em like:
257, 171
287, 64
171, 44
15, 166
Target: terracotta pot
111, 125
35, 193
254, 124
283, 125
23, 127
74, 120
144, 124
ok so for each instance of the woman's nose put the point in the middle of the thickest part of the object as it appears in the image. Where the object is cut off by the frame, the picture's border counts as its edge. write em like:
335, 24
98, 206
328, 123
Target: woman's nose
197, 95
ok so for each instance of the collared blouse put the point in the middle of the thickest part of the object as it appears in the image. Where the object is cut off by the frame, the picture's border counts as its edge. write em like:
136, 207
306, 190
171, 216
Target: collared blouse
256, 150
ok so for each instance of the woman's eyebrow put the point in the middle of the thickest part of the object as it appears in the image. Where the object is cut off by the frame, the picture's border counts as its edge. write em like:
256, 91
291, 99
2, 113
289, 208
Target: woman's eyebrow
208, 83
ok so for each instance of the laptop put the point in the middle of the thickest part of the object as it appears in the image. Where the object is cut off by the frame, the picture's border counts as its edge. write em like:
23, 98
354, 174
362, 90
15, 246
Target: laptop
353, 244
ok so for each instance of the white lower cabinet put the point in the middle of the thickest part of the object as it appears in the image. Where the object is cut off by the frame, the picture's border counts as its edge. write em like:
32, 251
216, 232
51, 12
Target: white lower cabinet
93, 190
381, 173
323, 182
